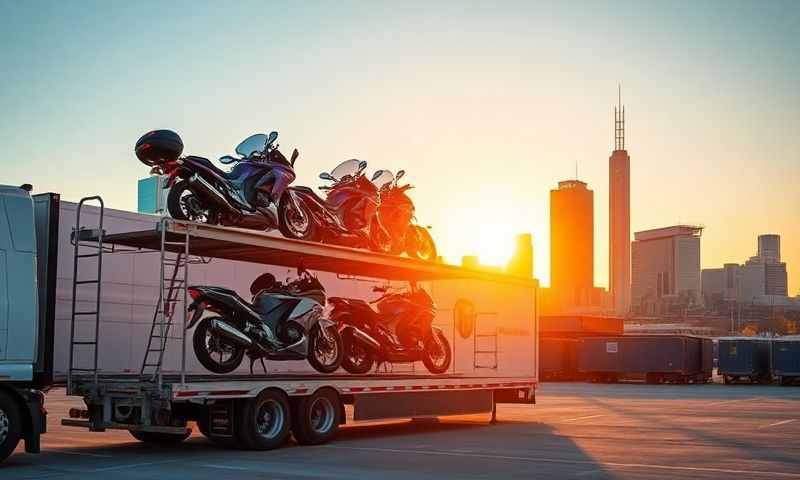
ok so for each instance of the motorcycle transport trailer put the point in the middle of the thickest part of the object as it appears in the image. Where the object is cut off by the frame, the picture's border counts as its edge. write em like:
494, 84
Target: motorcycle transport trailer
490, 320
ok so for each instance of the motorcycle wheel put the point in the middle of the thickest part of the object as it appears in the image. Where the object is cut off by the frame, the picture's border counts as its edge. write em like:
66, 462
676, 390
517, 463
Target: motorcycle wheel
207, 346
379, 240
183, 204
357, 359
437, 362
325, 355
296, 222
419, 244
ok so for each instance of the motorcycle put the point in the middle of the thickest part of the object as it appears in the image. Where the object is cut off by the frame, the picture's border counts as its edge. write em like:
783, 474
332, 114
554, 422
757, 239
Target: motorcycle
396, 215
399, 331
346, 216
199, 191
283, 322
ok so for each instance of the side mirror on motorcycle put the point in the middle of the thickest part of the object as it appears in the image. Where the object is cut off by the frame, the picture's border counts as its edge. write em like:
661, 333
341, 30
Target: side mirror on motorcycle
377, 174
227, 159
361, 166
327, 176
399, 175
271, 139
295, 154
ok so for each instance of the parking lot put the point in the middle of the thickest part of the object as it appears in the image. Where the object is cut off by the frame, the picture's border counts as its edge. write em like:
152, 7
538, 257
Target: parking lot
576, 430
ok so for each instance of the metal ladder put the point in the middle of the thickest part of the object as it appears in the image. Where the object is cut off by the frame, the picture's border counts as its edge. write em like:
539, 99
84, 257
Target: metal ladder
83, 239
168, 300
492, 350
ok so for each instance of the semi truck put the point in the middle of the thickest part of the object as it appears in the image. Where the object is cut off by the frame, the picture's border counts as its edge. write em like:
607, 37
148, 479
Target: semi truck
95, 300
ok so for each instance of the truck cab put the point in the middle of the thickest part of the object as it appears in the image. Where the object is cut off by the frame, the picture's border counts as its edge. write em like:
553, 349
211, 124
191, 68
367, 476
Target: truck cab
24, 358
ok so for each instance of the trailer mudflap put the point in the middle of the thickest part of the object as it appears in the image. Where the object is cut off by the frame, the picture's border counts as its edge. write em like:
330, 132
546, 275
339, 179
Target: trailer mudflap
515, 395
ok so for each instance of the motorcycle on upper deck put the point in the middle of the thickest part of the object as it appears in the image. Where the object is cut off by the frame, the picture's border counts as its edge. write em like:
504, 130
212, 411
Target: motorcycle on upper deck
199, 191
346, 216
396, 215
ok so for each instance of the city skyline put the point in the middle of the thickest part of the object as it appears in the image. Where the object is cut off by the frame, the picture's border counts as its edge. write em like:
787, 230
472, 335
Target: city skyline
520, 101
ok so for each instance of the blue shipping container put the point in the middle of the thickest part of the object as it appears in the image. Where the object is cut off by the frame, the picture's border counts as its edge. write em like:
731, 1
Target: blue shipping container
786, 359
744, 358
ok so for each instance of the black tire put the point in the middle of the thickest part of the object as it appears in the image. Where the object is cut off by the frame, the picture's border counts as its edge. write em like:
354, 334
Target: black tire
420, 244
357, 359
317, 344
178, 210
265, 421
437, 366
290, 224
200, 340
10, 425
159, 438
316, 417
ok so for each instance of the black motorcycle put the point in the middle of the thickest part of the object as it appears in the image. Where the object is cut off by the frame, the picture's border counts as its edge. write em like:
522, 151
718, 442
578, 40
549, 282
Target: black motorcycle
284, 322
400, 331
199, 191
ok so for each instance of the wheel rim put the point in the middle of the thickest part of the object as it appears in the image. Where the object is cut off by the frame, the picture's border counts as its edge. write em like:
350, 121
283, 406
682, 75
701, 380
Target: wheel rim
424, 246
191, 208
357, 354
322, 415
270, 419
3, 426
297, 221
326, 350
217, 350
437, 359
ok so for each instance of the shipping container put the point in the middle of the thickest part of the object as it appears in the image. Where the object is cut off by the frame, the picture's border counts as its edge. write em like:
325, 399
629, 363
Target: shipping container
558, 359
653, 358
744, 358
574, 326
786, 360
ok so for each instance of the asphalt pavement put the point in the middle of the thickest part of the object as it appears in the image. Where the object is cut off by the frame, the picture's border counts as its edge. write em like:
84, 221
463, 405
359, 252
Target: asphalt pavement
576, 430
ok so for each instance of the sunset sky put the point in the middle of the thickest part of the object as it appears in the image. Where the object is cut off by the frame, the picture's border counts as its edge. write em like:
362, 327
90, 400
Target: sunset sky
487, 105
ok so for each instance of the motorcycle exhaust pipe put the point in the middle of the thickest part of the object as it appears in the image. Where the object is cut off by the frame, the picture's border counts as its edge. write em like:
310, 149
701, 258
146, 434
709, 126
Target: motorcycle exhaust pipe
365, 339
230, 333
205, 188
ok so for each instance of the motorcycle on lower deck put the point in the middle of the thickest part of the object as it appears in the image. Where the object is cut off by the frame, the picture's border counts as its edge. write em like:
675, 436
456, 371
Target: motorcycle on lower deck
396, 215
199, 191
400, 331
346, 216
284, 322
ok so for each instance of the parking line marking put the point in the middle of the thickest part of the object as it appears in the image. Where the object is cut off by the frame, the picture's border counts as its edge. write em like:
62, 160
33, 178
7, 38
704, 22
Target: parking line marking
587, 417
783, 422
677, 468
725, 402
68, 452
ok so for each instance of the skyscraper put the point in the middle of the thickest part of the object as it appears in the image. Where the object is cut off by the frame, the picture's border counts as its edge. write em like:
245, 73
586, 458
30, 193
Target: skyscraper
619, 205
666, 267
572, 241
769, 247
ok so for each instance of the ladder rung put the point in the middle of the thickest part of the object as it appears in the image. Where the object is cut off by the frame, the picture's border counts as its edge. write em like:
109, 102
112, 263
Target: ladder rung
87, 255
81, 282
84, 313
84, 343
486, 351
75, 369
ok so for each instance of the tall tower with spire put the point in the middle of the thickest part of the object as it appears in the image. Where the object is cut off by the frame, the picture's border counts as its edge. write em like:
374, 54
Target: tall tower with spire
619, 205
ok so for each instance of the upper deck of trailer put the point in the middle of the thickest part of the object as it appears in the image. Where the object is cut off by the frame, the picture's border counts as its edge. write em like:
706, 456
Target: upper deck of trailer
265, 248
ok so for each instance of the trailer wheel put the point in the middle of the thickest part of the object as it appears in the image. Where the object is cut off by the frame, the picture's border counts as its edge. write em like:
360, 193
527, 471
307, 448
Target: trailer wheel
265, 420
10, 425
317, 417
158, 438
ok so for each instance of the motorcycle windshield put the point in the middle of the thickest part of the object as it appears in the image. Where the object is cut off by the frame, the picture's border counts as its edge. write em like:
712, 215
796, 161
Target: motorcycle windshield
348, 168
382, 178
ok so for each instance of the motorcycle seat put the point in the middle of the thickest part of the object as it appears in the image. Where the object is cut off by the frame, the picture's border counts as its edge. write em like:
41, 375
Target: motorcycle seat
208, 163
